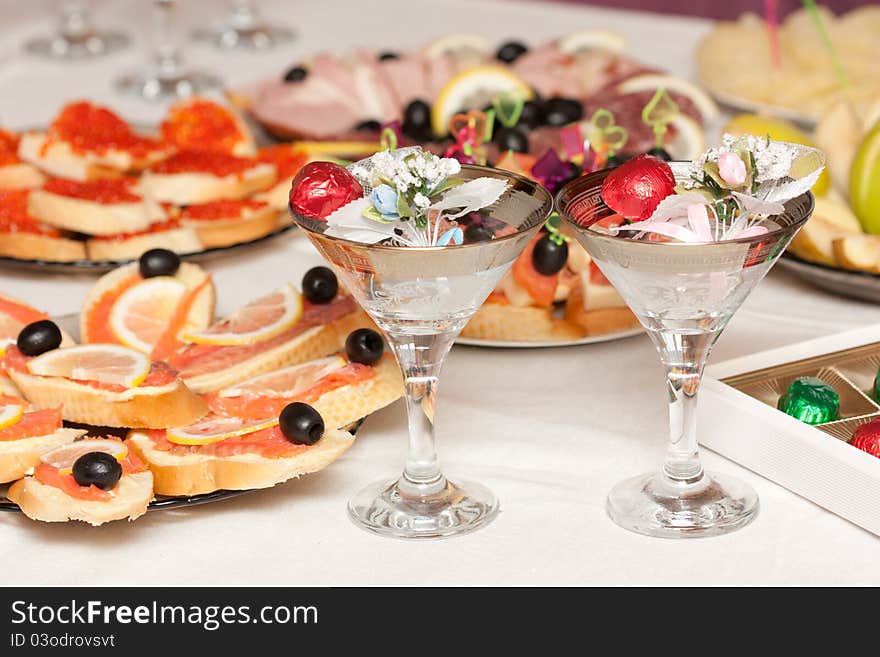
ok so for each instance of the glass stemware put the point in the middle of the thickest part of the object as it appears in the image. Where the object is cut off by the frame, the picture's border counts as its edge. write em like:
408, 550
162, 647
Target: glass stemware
76, 37
684, 295
421, 298
245, 28
167, 78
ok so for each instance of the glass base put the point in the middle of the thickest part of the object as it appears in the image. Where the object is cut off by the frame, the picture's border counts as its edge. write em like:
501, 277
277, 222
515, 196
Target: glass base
383, 508
152, 87
655, 505
261, 37
93, 44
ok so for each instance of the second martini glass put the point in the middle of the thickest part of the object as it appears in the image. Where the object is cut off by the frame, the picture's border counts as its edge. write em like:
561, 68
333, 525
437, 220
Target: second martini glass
421, 298
684, 294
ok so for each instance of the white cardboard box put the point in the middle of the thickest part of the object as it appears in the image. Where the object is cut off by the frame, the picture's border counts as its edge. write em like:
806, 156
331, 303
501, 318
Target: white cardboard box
803, 459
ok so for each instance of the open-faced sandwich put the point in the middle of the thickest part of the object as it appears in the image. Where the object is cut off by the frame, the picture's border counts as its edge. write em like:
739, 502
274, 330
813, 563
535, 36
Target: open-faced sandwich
95, 480
221, 223
201, 124
26, 434
99, 384
147, 305
272, 427
278, 329
22, 235
15, 174
86, 141
94, 207
170, 235
553, 292
288, 160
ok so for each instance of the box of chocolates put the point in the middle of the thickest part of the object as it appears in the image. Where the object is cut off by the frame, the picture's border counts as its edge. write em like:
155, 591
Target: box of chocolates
806, 416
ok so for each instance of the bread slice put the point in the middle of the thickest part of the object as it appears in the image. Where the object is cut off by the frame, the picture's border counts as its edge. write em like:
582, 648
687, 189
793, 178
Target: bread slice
180, 239
19, 456
39, 246
191, 187
251, 225
153, 407
21, 175
39, 501
508, 323
195, 474
201, 312
92, 218
58, 159
346, 405
604, 311
202, 123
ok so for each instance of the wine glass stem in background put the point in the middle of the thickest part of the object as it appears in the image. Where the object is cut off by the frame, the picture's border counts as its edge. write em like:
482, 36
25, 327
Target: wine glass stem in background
167, 51
244, 15
684, 356
75, 21
420, 358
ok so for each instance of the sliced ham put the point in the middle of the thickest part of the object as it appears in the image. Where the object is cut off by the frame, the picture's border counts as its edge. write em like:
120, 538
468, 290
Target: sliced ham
408, 78
439, 70
378, 98
548, 70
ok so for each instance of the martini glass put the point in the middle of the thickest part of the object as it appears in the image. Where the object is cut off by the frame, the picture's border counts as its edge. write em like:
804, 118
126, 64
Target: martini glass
76, 36
244, 28
421, 298
167, 78
684, 295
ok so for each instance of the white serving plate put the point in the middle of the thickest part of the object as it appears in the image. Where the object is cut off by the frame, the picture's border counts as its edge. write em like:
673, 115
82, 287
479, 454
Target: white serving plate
541, 344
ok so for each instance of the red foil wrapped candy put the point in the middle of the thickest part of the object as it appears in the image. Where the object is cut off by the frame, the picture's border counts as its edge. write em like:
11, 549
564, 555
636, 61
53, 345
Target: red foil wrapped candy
636, 187
867, 438
321, 188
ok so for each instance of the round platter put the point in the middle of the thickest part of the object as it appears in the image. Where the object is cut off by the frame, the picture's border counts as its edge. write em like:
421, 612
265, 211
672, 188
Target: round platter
739, 104
855, 284
101, 266
590, 339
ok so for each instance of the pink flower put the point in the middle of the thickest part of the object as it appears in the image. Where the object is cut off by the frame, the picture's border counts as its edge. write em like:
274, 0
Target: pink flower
732, 169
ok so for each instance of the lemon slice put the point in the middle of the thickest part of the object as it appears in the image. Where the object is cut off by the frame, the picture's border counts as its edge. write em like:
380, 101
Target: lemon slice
707, 107
461, 46
10, 414
259, 320
141, 313
288, 381
64, 457
214, 429
591, 40
864, 182
474, 88
689, 141
105, 363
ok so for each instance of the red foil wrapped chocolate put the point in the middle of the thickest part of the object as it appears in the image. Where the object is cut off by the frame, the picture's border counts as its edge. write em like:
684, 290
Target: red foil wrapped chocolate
636, 187
321, 188
867, 438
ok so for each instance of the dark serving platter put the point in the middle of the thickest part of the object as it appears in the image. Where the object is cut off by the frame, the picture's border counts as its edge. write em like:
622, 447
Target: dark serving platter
855, 284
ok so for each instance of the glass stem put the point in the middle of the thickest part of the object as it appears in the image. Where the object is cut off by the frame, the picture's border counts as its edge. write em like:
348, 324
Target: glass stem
244, 15
684, 357
420, 358
75, 22
167, 52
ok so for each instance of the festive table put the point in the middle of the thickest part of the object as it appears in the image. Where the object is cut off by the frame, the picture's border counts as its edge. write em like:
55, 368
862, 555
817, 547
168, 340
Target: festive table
549, 430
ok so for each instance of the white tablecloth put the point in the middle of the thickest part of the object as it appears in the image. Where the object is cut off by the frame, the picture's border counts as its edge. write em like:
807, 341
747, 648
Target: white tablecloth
550, 431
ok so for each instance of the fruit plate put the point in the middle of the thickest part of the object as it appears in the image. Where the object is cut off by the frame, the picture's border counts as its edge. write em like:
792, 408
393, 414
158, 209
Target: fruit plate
70, 323
855, 284
101, 266
543, 344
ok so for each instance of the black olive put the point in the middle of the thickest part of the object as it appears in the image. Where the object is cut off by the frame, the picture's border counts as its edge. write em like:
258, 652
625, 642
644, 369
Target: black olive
615, 161
478, 233
372, 125
562, 111
364, 346
548, 257
97, 469
296, 74
417, 120
388, 54
319, 285
512, 139
660, 152
510, 51
301, 424
532, 115
158, 262
39, 337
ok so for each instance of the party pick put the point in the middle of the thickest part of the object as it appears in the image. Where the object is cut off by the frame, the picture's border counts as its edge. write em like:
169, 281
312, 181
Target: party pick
810, 6
660, 111
771, 16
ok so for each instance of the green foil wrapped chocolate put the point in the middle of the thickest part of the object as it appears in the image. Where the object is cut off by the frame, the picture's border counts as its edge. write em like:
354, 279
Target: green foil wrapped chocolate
810, 400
